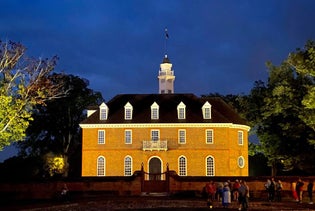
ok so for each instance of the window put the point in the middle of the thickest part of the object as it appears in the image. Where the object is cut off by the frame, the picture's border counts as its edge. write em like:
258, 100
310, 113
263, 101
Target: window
206, 110
128, 111
241, 162
154, 111
103, 111
210, 166
128, 136
101, 166
155, 135
182, 136
240, 138
209, 136
101, 137
128, 166
182, 168
181, 111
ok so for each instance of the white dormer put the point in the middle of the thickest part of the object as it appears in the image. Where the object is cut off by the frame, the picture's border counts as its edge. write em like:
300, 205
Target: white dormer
181, 111
90, 112
154, 111
103, 111
128, 111
206, 110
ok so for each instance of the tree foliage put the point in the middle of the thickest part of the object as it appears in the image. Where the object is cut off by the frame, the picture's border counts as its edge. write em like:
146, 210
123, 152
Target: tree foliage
55, 131
24, 83
277, 110
303, 61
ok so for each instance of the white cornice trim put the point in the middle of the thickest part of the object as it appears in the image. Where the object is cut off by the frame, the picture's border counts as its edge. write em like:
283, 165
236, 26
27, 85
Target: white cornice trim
167, 125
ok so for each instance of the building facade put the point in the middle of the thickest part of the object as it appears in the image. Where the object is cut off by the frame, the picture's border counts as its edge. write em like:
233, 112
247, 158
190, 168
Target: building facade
191, 135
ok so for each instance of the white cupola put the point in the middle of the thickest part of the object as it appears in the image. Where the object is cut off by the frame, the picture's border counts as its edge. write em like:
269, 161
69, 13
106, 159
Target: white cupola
166, 77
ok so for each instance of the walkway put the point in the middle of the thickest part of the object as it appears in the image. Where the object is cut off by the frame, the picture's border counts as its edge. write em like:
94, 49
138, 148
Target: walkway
150, 204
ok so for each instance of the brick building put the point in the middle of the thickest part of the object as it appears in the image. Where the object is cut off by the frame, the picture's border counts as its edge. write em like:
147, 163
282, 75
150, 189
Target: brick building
191, 135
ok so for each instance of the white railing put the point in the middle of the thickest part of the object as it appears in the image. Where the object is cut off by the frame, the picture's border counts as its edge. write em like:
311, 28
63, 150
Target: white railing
164, 73
154, 145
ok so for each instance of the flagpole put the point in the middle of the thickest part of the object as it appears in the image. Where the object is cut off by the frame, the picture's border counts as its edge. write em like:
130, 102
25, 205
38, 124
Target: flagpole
166, 38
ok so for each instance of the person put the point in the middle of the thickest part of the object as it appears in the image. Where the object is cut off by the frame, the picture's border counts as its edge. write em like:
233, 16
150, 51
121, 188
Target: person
299, 189
279, 190
272, 189
226, 195
294, 193
243, 196
235, 188
267, 185
64, 193
211, 190
219, 191
310, 191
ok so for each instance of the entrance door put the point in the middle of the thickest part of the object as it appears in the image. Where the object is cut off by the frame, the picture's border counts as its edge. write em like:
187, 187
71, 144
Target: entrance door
155, 169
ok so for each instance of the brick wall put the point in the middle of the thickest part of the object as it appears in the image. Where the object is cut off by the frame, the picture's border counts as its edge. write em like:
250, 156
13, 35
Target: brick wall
88, 187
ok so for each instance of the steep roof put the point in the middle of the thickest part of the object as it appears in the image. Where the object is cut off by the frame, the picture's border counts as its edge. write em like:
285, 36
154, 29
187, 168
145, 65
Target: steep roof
221, 112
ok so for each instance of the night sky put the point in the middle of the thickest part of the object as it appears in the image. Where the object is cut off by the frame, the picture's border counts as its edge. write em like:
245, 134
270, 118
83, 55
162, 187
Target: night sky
214, 46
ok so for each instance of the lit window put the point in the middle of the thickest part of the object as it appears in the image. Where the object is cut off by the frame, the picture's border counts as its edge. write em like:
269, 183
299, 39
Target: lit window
209, 136
103, 111
155, 135
128, 136
154, 111
128, 111
101, 137
182, 167
206, 110
241, 162
182, 136
128, 166
101, 166
181, 111
210, 166
240, 138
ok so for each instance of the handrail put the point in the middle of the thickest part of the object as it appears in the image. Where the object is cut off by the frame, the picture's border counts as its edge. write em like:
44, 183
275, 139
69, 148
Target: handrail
154, 145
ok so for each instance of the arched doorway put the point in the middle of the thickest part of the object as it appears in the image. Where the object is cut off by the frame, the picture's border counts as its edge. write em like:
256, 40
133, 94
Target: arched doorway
155, 168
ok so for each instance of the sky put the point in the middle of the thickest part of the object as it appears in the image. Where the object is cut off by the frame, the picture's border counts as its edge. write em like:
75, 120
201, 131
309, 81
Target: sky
217, 46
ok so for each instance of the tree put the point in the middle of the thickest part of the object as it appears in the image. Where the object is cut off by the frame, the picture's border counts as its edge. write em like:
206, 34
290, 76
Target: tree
54, 135
275, 110
24, 83
303, 61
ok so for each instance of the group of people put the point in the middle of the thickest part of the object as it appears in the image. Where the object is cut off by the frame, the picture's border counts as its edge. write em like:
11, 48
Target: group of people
274, 189
227, 192
297, 190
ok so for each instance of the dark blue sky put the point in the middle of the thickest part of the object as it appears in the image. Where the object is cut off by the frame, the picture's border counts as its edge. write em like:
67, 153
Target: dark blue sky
215, 46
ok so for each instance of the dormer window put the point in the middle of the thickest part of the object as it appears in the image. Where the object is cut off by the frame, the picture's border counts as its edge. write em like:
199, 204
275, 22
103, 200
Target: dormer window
128, 111
206, 110
181, 111
103, 111
154, 111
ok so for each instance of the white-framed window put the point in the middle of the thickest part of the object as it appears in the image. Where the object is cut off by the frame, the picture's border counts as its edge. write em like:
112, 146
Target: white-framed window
128, 111
154, 111
181, 136
128, 136
209, 136
210, 166
155, 135
101, 137
240, 137
100, 166
241, 161
182, 166
103, 111
206, 110
128, 165
181, 111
